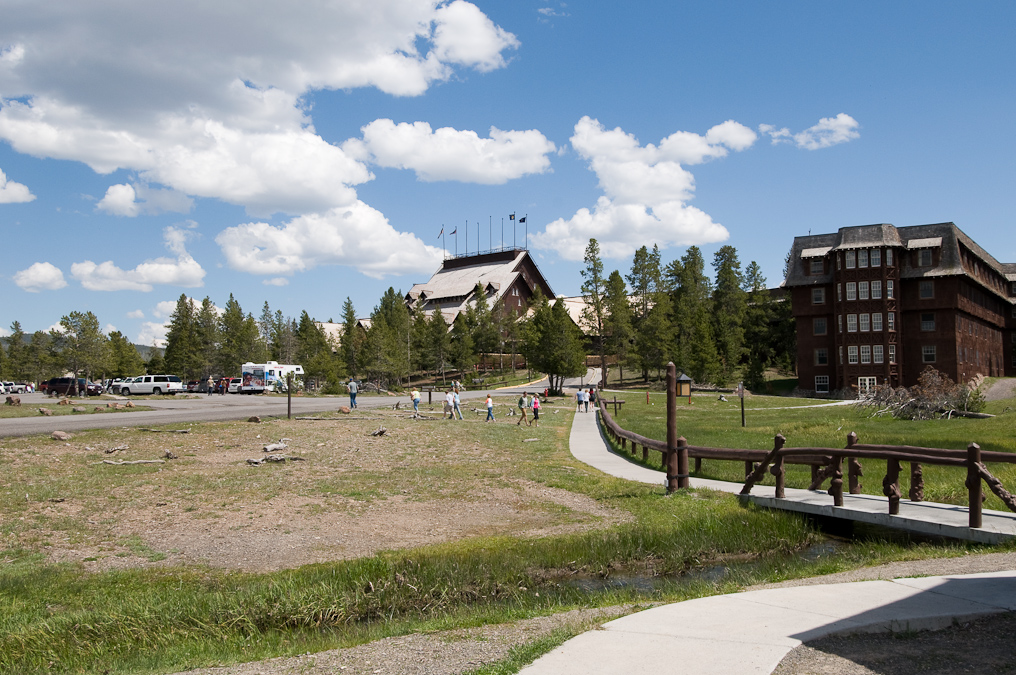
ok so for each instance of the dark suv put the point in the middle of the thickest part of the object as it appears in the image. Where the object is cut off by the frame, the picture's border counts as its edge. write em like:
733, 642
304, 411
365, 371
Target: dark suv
64, 386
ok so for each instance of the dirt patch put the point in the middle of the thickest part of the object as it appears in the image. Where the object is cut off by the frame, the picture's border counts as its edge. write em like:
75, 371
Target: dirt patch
352, 495
1001, 388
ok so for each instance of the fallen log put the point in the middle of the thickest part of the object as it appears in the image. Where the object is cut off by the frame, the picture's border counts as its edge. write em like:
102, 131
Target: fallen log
165, 431
136, 461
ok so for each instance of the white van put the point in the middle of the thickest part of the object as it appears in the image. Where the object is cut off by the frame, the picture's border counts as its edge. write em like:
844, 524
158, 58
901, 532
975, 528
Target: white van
153, 384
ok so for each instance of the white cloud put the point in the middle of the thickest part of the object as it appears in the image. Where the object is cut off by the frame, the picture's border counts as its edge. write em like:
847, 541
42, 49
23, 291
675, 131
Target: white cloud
828, 132
180, 271
4, 332
452, 154
42, 276
165, 308
110, 328
357, 235
135, 314
130, 200
276, 281
13, 193
646, 189
217, 111
153, 333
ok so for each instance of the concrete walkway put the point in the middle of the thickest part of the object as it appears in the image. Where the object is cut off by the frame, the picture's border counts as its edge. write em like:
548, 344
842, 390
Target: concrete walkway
752, 632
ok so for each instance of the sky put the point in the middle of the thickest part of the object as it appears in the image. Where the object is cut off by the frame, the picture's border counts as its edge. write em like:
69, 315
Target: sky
300, 154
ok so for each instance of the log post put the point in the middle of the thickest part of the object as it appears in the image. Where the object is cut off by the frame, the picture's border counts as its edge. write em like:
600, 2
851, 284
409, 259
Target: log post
778, 470
974, 483
683, 481
854, 471
836, 484
645, 453
698, 465
916, 482
815, 468
891, 485
673, 461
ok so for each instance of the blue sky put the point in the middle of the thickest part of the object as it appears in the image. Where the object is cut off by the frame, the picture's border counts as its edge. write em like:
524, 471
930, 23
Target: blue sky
301, 156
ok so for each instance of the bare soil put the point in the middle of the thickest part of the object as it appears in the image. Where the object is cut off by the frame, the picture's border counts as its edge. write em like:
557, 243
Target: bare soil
352, 495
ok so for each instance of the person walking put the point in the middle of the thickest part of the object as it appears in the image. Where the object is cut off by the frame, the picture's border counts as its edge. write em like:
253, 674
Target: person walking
456, 404
211, 385
449, 404
586, 401
490, 409
416, 401
536, 410
353, 391
591, 398
522, 411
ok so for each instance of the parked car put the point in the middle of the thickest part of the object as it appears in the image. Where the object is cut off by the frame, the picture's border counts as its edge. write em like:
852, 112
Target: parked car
153, 384
234, 385
64, 386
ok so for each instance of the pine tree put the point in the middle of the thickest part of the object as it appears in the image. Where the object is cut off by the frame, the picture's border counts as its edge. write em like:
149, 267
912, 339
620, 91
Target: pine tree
40, 360
439, 341
594, 312
124, 359
81, 345
758, 336
645, 281
351, 337
692, 310
17, 354
729, 305
208, 338
183, 352
618, 329
460, 348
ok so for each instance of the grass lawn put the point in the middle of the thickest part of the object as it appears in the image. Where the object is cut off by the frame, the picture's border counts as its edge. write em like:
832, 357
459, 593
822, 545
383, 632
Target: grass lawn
710, 422
205, 559
94, 407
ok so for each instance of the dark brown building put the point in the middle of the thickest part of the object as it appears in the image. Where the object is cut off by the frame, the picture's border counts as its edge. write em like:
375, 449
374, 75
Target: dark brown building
877, 304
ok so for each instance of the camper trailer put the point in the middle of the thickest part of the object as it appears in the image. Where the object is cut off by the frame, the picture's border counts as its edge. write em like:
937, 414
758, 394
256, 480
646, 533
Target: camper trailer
257, 378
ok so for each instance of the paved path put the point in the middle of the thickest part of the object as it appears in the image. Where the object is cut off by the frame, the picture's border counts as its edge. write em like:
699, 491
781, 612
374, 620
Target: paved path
752, 632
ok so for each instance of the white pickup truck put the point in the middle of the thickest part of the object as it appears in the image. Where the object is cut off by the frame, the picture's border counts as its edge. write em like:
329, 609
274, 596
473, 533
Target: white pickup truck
153, 384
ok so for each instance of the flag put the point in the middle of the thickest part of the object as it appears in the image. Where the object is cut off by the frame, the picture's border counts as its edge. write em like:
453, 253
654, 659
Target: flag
522, 219
453, 231
511, 216
441, 233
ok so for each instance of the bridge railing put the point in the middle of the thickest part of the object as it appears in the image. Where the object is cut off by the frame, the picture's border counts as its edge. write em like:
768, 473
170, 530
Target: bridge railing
826, 463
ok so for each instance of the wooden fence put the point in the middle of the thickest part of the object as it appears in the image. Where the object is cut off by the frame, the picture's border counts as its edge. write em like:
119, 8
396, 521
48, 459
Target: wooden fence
825, 463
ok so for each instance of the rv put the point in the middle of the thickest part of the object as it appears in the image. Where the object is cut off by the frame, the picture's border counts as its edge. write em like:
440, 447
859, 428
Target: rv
257, 378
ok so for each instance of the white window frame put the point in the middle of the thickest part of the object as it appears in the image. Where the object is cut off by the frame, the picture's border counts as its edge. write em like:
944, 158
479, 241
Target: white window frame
929, 354
862, 258
889, 289
866, 383
876, 290
839, 292
891, 321
851, 290
862, 290
815, 325
851, 260
865, 354
851, 323
865, 322
927, 324
821, 384
819, 353
817, 263
892, 353
839, 321
876, 257
852, 354
877, 353
818, 296
876, 322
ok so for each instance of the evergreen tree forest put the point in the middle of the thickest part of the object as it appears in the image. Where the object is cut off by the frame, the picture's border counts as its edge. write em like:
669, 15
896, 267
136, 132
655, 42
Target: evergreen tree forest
718, 325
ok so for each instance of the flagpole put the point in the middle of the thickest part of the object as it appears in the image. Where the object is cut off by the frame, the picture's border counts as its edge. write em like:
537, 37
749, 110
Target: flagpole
444, 249
490, 230
502, 233
467, 236
526, 217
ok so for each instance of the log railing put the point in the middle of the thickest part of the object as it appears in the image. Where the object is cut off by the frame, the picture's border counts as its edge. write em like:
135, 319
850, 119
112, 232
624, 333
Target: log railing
826, 463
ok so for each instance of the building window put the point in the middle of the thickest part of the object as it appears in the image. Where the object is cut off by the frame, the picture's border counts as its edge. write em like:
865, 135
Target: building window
851, 290
866, 384
852, 354
926, 290
818, 296
851, 323
889, 289
851, 260
928, 353
865, 353
892, 353
1014, 312
876, 290
818, 326
888, 257
924, 257
839, 321
839, 260
876, 257
839, 292
927, 321
822, 357
821, 384
877, 353
841, 355
865, 323
816, 266
1012, 288
862, 258
891, 321
876, 322
862, 290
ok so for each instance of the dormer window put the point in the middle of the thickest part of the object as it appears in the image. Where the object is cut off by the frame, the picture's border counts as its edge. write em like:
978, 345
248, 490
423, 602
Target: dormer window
851, 260
817, 266
924, 257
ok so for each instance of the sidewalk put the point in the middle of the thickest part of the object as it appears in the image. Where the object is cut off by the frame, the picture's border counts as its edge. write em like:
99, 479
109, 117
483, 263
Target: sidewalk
752, 632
